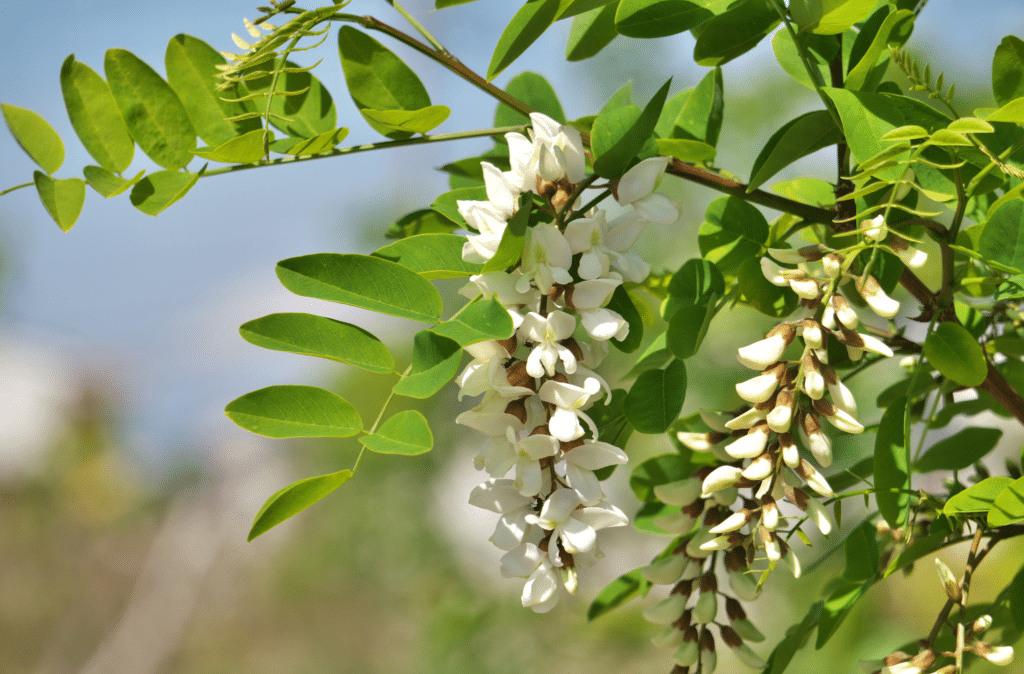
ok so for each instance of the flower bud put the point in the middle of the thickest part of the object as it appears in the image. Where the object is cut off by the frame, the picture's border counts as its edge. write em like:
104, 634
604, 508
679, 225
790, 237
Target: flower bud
817, 442
665, 571
844, 312
733, 522
748, 657
790, 559
875, 229
832, 264
981, 624
997, 655
806, 288
689, 652
781, 416
769, 350
669, 637
744, 585
747, 631
813, 335
706, 609
769, 513
828, 317
880, 303
838, 417
680, 492
666, 611
814, 479
814, 382
699, 442
708, 658
748, 419
675, 523
912, 257
725, 497
949, 582
773, 272
770, 542
750, 445
789, 451
759, 388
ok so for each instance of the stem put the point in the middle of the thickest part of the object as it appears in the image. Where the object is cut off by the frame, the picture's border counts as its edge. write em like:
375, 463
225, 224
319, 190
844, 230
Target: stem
419, 27
16, 187
380, 415
965, 585
383, 145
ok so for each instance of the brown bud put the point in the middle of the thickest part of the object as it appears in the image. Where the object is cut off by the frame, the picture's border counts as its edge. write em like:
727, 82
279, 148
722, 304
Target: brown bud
824, 407
709, 582
924, 659
777, 370
556, 291
518, 376
736, 560
734, 610
517, 408
787, 331
574, 347
897, 658
572, 444
729, 636
541, 430
707, 641
510, 344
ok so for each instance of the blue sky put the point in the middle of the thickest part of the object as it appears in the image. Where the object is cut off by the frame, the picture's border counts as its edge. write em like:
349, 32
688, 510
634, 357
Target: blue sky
158, 300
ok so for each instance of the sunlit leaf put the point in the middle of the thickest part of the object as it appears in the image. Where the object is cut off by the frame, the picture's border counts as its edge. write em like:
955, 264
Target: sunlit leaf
319, 336
35, 136
95, 116
956, 354
528, 24
432, 256
155, 192
479, 321
295, 498
435, 360
295, 412
63, 199
404, 433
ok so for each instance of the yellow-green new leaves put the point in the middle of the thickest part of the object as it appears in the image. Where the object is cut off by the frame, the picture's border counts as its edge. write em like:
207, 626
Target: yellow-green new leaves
977, 498
828, 17
155, 117
405, 433
1008, 70
295, 498
248, 148
295, 412
362, 281
35, 136
311, 335
95, 116
1008, 506
379, 82
192, 74
157, 191
63, 199
956, 354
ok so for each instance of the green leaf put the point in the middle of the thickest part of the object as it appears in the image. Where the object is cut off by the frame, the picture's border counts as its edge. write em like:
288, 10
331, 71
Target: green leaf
157, 191
435, 360
956, 354
447, 204
896, 24
697, 283
700, 115
35, 136
432, 256
535, 91
307, 147
866, 117
657, 471
619, 135
510, 248
820, 50
193, 75
155, 117
959, 451
1011, 289
302, 115
615, 594
1011, 112
757, 292
1008, 70
978, 498
362, 281
406, 121
916, 550
797, 138
732, 232
807, 190
1016, 592
828, 17
610, 419
245, 149
569, 8
95, 117
656, 398
424, 221
1008, 507
970, 125
295, 412
63, 199
734, 32
478, 322
1002, 239
312, 335
528, 24
658, 18
623, 304
694, 151
836, 608
590, 33
861, 552
295, 498
687, 329
406, 433
108, 184
441, 4
892, 470
796, 638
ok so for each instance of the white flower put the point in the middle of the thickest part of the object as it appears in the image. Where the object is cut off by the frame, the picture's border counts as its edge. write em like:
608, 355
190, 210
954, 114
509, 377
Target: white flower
875, 229
528, 561
547, 333
502, 285
525, 454
588, 299
605, 246
766, 352
573, 526
568, 400
502, 497
546, 259
720, 478
582, 461
636, 189
555, 152
997, 655
492, 423
485, 218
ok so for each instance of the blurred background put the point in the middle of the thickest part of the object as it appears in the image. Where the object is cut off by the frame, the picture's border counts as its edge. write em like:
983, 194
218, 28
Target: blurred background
126, 494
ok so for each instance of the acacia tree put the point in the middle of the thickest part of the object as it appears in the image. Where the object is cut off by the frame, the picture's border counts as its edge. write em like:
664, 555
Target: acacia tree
553, 284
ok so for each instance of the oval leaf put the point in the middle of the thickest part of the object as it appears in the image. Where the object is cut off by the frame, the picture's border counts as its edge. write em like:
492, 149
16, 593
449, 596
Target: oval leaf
693, 151
193, 75
619, 135
405, 433
658, 18
362, 281
977, 498
479, 321
828, 17
108, 184
797, 138
157, 191
1009, 505
295, 498
892, 470
295, 412
536, 92
866, 117
733, 232
687, 328
95, 116
656, 398
590, 33
528, 24
435, 360
432, 256
1011, 112
734, 32
959, 451
155, 117
956, 354
615, 594
63, 199
1008, 70
35, 136
697, 282
407, 121
1002, 239
319, 336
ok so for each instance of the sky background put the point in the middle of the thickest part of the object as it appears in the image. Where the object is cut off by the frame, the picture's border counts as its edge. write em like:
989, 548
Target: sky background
149, 307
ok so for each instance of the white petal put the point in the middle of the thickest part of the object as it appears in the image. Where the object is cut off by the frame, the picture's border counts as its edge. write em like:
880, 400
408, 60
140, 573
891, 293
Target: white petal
641, 180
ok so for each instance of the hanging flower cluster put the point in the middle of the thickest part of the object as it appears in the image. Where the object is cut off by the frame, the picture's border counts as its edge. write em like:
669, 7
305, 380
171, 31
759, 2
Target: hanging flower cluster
537, 384
757, 445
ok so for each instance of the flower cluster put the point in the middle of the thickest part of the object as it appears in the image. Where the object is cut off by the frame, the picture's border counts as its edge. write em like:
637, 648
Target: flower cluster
537, 385
789, 400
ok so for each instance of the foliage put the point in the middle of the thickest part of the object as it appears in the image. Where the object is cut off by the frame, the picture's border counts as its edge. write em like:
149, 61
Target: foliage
553, 284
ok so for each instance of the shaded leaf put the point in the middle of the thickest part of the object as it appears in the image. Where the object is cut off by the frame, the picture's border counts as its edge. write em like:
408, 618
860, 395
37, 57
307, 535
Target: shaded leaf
796, 638
732, 232
362, 281
108, 184
35, 136
896, 24
696, 283
797, 138
734, 32
478, 322
590, 33
656, 398
619, 135
836, 608
658, 18
956, 354
447, 204
510, 248
151, 110
424, 221
1011, 289
687, 329
295, 498
536, 92
615, 594
301, 115
295, 412
392, 122
1002, 239
623, 304
95, 116
435, 360
866, 117
960, 450
1008, 507
63, 199
432, 256
155, 192
657, 471
406, 433
819, 49
319, 336
861, 551
828, 17
892, 469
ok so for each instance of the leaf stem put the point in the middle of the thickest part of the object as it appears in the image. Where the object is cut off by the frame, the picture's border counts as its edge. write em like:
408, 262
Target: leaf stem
380, 415
419, 27
16, 187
